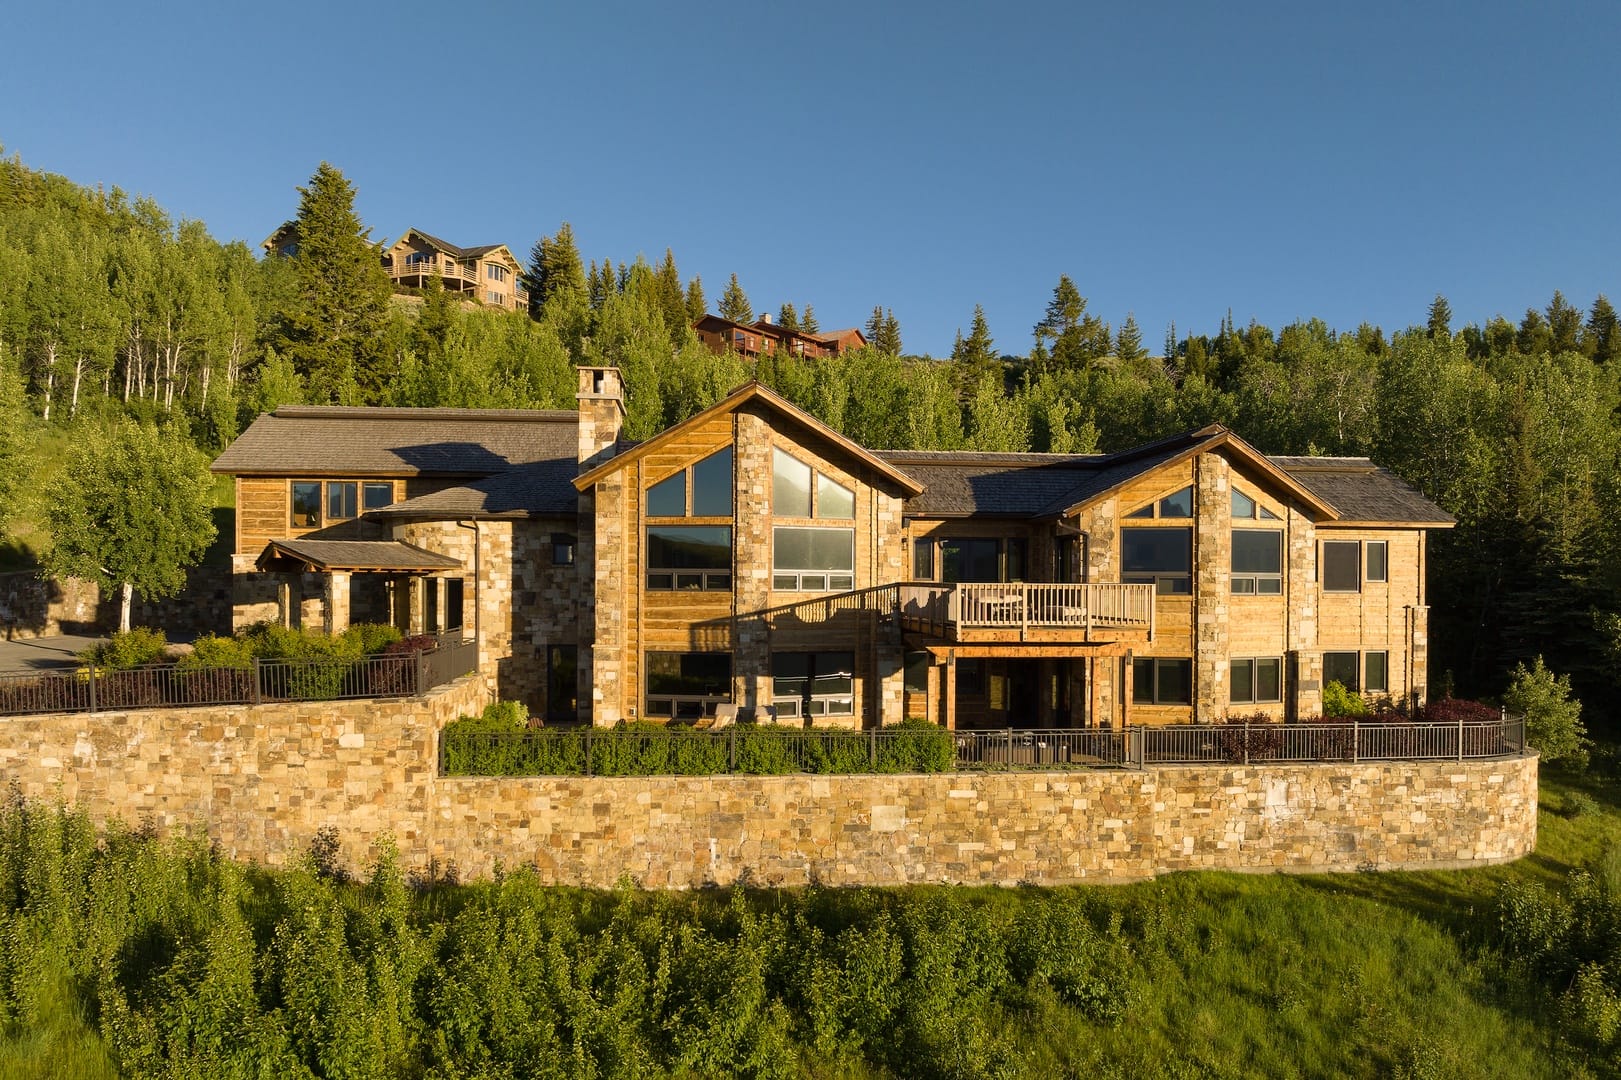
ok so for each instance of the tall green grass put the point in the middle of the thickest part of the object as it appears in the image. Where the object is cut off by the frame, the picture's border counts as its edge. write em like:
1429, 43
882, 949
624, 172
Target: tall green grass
123, 955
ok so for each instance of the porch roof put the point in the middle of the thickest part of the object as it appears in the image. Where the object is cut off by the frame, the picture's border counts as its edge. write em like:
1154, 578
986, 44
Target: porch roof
386, 556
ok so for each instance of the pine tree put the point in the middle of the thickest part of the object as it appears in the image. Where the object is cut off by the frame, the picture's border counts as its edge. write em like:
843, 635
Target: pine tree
672, 301
883, 331
333, 327
976, 353
554, 269
1170, 342
1603, 331
1128, 345
697, 306
1440, 322
1564, 325
807, 321
1533, 337
787, 317
874, 325
1067, 338
734, 303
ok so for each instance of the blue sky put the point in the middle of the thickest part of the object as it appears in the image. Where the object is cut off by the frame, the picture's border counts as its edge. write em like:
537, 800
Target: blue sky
1282, 160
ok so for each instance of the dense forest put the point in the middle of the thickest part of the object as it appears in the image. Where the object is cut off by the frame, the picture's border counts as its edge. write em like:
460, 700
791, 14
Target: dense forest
111, 307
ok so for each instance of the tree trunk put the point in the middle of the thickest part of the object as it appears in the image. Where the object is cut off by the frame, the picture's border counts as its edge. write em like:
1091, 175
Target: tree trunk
78, 378
126, 593
50, 378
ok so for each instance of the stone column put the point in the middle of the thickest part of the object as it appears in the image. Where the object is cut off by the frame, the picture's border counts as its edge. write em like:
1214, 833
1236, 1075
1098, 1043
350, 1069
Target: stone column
1212, 572
337, 602
610, 697
1301, 613
751, 560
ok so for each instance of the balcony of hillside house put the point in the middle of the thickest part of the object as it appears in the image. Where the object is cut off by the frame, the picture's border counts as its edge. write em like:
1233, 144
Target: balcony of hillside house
415, 272
994, 612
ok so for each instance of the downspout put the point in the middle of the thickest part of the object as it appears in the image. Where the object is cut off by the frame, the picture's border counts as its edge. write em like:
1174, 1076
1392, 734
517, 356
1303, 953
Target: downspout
478, 589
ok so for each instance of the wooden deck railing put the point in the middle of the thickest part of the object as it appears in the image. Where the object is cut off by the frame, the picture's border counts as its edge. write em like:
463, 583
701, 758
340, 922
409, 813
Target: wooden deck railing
1024, 606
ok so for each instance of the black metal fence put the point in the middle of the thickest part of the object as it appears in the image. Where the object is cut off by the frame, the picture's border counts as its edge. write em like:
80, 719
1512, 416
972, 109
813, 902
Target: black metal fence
765, 750
93, 689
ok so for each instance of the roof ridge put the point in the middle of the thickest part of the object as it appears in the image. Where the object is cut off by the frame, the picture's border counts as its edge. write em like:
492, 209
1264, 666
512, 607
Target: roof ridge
401, 412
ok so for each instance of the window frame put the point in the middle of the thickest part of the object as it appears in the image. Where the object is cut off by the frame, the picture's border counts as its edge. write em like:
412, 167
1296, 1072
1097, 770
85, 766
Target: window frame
1384, 562
1355, 686
705, 703
801, 579
688, 578
1155, 664
1323, 566
368, 487
565, 547
818, 479
293, 516
1254, 664
1156, 509
1255, 579
689, 492
1165, 582
810, 705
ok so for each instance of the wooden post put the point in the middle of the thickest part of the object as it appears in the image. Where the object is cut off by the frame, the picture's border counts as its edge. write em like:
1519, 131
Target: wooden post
951, 690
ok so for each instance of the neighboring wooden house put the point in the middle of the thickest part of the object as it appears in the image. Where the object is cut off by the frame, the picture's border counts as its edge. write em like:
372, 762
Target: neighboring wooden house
489, 274
764, 336
752, 557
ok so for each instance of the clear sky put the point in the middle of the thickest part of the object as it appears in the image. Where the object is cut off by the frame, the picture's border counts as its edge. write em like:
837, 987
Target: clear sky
1282, 160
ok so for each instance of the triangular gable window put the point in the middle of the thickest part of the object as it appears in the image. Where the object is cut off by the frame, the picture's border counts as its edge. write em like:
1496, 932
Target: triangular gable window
1249, 509
1178, 504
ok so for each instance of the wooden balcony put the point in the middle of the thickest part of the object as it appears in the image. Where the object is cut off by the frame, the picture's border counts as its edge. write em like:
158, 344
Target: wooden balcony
1035, 613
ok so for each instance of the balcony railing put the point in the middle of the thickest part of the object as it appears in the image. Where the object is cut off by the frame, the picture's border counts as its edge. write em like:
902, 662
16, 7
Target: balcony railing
1085, 610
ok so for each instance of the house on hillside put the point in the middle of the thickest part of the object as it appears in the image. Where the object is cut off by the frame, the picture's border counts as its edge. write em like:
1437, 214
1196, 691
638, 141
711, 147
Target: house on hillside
489, 274
752, 557
764, 336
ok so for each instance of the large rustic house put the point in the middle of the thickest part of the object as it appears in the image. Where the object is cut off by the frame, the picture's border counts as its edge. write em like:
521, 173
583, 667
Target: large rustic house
763, 336
488, 273
753, 559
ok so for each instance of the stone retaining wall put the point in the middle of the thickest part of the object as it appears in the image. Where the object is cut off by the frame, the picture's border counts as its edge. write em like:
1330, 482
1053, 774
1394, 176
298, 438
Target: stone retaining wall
264, 781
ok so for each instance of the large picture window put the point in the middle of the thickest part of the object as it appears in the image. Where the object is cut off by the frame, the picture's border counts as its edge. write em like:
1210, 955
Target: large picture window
689, 557
1258, 561
683, 686
1162, 681
703, 489
1159, 557
1256, 681
813, 684
797, 490
807, 559
1342, 570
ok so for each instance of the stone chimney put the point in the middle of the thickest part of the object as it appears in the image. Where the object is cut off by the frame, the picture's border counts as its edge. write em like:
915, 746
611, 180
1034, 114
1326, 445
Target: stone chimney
602, 414
766, 318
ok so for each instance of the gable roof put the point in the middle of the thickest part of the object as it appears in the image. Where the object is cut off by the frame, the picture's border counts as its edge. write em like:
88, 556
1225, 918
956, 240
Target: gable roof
753, 391
382, 555
1364, 493
537, 489
958, 484
477, 252
332, 440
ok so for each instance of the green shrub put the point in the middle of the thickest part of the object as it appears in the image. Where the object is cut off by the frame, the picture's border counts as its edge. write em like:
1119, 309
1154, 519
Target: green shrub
210, 651
129, 649
1338, 701
918, 746
372, 638
1580, 804
1553, 719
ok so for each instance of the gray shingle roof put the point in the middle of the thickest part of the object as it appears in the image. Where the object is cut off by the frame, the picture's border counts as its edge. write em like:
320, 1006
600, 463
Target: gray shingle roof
324, 440
1015, 485
394, 555
541, 488
1362, 491
475, 252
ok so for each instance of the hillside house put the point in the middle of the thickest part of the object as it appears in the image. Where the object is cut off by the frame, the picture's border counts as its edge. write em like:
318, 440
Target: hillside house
489, 274
753, 558
764, 336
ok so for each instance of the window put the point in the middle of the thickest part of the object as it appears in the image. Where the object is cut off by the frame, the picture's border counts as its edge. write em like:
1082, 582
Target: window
563, 549
1248, 508
923, 559
915, 672
417, 258
813, 684
562, 683
495, 272
1258, 680
377, 495
812, 560
455, 593
689, 557
342, 498
970, 559
1376, 554
1258, 561
1178, 504
709, 482
306, 505
1341, 566
1343, 668
1162, 681
1158, 557
792, 483
687, 686
491, 296
1376, 672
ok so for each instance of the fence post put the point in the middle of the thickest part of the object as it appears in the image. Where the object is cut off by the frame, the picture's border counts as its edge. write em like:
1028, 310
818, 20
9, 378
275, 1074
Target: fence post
256, 691
1356, 741
1460, 736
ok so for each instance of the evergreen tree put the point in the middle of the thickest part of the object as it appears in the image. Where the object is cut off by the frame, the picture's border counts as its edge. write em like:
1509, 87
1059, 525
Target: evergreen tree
16, 441
883, 331
1067, 338
976, 352
807, 321
734, 303
787, 317
1128, 345
554, 269
1603, 332
1440, 322
1564, 325
697, 306
672, 300
333, 327
1534, 337
1170, 342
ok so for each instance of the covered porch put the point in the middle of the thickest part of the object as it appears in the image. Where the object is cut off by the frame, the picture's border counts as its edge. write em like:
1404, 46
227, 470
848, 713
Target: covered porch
996, 686
333, 583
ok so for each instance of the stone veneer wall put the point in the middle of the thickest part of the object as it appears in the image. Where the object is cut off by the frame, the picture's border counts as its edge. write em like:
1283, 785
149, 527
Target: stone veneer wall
264, 781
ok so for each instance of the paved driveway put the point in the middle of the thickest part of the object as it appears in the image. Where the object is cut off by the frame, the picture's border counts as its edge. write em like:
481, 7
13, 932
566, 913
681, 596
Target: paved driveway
32, 654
